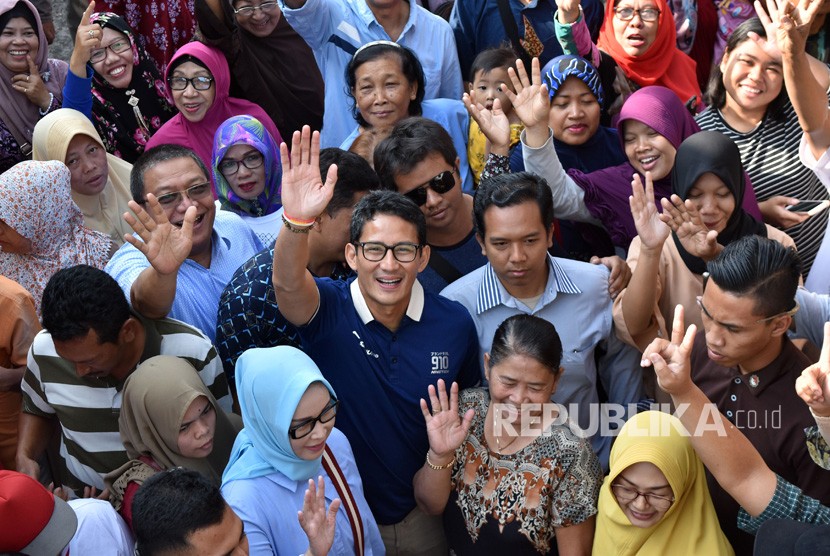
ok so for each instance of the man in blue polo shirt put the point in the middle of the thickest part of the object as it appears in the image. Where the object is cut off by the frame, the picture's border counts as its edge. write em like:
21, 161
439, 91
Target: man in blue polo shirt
379, 339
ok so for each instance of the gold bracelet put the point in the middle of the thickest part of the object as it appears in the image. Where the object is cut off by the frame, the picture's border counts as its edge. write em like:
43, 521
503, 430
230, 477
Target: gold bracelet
295, 228
440, 467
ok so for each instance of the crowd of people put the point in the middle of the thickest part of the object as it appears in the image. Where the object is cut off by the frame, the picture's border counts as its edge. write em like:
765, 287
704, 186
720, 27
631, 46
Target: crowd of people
415, 278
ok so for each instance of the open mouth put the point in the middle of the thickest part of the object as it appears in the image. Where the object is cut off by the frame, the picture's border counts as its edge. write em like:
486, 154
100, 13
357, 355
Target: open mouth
388, 283
649, 162
18, 52
117, 72
197, 222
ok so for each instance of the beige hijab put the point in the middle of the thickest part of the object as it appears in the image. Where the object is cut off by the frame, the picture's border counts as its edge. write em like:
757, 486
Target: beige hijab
155, 398
102, 212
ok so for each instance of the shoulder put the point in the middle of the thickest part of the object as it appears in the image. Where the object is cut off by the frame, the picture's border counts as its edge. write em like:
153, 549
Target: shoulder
465, 289
441, 107
181, 339
780, 236
589, 278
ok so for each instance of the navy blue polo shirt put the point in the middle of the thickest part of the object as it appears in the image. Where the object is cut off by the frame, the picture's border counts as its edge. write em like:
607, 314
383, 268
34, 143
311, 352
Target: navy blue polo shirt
380, 377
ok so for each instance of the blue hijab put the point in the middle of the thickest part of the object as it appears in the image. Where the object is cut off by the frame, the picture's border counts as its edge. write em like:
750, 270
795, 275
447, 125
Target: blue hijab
270, 383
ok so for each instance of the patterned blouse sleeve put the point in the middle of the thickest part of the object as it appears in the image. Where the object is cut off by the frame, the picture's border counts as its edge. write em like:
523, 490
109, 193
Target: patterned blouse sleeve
494, 166
576, 477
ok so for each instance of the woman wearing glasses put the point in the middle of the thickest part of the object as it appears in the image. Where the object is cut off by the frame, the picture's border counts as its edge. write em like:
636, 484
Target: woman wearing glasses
199, 80
655, 500
248, 174
271, 65
113, 81
289, 440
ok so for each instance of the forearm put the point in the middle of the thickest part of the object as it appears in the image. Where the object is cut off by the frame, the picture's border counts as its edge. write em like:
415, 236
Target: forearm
432, 486
34, 433
10, 378
638, 301
576, 540
809, 99
152, 294
295, 289
823, 424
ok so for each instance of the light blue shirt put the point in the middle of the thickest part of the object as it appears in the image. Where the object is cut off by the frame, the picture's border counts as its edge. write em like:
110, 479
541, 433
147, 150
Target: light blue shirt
577, 302
268, 508
335, 29
813, 312
197, 288
454, 118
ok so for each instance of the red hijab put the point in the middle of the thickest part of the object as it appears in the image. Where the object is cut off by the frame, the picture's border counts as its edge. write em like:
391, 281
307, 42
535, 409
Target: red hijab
662, 64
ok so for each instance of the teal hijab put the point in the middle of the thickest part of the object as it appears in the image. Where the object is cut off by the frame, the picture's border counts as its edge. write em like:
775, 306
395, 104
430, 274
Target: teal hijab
270, 383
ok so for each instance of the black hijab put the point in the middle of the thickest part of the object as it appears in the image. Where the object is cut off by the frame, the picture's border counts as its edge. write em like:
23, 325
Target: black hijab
715, 153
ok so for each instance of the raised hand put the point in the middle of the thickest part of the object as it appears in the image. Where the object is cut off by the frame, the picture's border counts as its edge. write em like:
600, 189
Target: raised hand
318, 524
494, 124
769, 15
87, 38
671, 358
813, 386
165, 245
32, 85
568, 11
304, 195
651, 229
445, 429
530, 101
693, 234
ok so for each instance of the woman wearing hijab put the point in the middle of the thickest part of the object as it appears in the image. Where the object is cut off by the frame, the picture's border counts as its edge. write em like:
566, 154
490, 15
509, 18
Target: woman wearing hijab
199, 80
655, 500
30, 83
248, 174
41, 229
168, 419
114, 82
100, 181
289, 438
668, 260
272, 65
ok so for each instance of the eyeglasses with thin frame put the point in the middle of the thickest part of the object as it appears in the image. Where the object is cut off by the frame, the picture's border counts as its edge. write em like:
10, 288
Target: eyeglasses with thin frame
375, 251
304, 428
194, 193
229, 166
628, 494
117, 47
441, 183
200, 83
646, 14
248, 11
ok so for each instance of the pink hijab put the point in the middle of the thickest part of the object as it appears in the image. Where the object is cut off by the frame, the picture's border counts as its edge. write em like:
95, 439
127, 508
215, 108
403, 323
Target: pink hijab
20, 115
199, 135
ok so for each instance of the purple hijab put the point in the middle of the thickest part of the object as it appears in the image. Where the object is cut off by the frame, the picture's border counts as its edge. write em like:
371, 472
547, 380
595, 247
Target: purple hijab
607, 190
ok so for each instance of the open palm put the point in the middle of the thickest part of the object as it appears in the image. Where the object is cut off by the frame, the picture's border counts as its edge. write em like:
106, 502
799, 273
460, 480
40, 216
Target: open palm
165, 245
445, 429
531, 102
651, 230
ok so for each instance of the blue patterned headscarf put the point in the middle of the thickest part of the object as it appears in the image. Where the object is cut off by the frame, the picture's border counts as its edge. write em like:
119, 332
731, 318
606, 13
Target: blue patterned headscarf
562, 67
270, 383
250, 131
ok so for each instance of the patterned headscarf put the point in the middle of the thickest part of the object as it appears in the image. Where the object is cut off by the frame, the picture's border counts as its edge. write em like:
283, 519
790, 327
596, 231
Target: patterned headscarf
35, 201
562, 67
249, 131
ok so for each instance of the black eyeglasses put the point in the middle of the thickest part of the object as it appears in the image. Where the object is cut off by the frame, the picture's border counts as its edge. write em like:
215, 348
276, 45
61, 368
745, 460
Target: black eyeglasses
646, 14
441, 183
248, 11
200, 83
117, 47
375, 251
229, 166
628, 494
304, 428
194, 193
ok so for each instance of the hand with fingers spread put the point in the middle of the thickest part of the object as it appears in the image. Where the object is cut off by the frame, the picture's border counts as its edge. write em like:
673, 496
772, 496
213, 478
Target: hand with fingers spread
304, 195
87, 38
32, 85
769, 15
671, 358
318, 523
165, 245
684, 219
494, 124
652, 231
813, 386
445, 428
531, 101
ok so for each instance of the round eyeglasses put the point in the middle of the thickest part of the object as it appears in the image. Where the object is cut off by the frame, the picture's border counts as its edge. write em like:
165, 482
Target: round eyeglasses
628, 494
248, 11
646, 14
375, 251
117, 47
441, 183
229, 166
200, 83
304, 428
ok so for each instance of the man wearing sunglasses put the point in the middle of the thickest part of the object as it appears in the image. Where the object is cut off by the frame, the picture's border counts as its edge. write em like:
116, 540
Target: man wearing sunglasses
379, 339
419, 160
184, 252
746, 365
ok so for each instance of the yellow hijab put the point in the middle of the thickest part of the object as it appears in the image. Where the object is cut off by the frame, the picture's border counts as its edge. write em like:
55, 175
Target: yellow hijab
690, 526
102, 212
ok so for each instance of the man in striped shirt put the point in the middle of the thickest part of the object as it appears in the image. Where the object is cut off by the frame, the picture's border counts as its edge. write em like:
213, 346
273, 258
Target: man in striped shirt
77, 366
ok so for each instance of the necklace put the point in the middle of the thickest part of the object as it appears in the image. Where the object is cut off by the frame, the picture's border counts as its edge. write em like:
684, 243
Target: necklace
498, 444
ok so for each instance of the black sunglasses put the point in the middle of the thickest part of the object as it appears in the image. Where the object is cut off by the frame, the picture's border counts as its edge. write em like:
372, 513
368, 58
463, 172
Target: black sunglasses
441, 183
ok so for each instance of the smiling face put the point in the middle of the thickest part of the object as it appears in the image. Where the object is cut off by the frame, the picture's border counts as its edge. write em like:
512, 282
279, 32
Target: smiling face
12, 242
315, 399
382, 91
635, 35
247, 183
647, 150
713, 201
197, 429
489, 86
193, 104
260, 23
18, 40
115, 68
647, 478
752, 79
442, 210
574, 112
87, 163
517, 380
